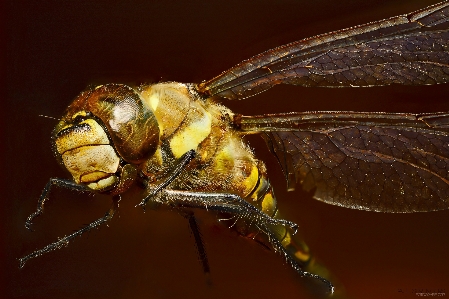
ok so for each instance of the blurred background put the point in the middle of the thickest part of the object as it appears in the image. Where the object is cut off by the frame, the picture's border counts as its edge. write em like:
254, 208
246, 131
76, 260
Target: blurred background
55, 49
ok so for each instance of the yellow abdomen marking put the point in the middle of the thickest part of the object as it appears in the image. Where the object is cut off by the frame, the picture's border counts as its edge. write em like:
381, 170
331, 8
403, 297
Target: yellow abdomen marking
191, 136
302, 256
269, 204
251, 181
287, 239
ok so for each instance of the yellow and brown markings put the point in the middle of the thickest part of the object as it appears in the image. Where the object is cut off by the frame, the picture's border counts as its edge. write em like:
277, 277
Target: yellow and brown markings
225, 163
86, 132
192, 132
91, 163
170, 103
86, 152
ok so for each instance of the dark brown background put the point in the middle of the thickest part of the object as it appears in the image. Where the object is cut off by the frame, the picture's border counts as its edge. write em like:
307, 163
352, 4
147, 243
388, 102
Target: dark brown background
57, 48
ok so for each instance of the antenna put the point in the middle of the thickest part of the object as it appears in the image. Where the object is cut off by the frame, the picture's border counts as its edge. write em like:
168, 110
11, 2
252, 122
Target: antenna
51, 117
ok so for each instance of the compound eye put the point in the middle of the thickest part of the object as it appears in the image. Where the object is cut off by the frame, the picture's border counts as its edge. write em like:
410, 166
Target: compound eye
131, 125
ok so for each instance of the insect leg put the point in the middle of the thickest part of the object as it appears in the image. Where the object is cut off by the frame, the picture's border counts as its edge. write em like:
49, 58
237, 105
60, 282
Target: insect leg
222, 202
234, 204
65, 240
183, 162
68, 184
201, 250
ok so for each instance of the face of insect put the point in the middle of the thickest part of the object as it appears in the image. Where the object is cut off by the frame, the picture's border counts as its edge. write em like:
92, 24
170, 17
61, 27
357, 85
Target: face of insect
103, 135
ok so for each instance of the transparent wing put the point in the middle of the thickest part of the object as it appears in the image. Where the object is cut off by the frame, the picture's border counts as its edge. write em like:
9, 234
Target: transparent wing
395, 50
371, 161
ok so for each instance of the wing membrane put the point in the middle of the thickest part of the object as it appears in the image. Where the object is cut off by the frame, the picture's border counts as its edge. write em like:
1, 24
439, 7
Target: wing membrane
395, 50
371, 161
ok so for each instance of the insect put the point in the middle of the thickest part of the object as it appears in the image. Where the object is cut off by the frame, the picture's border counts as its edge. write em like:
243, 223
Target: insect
186, 150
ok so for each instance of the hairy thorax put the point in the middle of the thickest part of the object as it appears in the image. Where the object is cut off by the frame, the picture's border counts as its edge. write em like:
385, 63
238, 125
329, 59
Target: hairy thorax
223, 164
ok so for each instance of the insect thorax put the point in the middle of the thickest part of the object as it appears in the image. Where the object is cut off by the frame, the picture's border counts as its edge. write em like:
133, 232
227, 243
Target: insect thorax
224, 162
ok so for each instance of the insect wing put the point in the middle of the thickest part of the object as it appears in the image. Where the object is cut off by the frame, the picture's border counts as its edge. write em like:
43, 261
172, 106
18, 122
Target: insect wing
370, 161
395, 50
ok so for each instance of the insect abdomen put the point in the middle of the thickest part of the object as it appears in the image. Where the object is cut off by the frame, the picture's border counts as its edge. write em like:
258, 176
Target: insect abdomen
263, 198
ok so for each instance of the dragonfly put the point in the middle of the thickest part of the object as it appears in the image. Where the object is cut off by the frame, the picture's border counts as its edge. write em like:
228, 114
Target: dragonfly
186, 150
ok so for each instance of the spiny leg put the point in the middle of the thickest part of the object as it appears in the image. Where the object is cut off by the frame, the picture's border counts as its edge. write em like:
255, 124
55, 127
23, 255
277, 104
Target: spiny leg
235, 205
207, 197
65, 240
221, 202
201, 250
175, 172
68, 184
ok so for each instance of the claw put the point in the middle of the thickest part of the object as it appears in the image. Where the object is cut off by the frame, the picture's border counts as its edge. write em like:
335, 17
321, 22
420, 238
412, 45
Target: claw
30, 218
21, 263
28, 225
290, 224
141, 204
